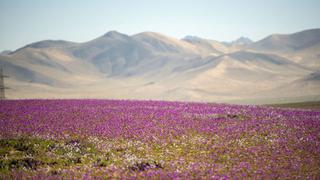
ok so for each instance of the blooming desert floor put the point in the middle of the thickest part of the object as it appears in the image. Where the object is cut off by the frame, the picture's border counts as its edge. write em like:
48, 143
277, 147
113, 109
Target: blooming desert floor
64, 139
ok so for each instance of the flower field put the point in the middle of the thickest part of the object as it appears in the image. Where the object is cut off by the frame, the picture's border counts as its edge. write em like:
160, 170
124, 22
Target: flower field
101, 139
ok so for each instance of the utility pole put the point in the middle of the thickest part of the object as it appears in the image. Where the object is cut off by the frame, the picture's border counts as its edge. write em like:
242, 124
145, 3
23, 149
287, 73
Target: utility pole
2, 87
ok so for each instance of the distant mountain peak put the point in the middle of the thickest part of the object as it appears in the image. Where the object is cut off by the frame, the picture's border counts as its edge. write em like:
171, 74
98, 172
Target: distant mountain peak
151, 34
46, 44
114, 34
191, 38
315, 31
289, 42
242, 41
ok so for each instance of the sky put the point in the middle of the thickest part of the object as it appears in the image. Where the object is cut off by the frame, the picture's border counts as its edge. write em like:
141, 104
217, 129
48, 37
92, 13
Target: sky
25, 21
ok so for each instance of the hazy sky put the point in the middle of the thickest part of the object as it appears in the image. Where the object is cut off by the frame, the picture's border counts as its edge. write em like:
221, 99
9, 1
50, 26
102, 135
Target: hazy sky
26, 21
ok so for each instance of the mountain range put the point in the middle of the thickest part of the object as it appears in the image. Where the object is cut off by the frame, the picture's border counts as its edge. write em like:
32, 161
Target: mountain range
149, 65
